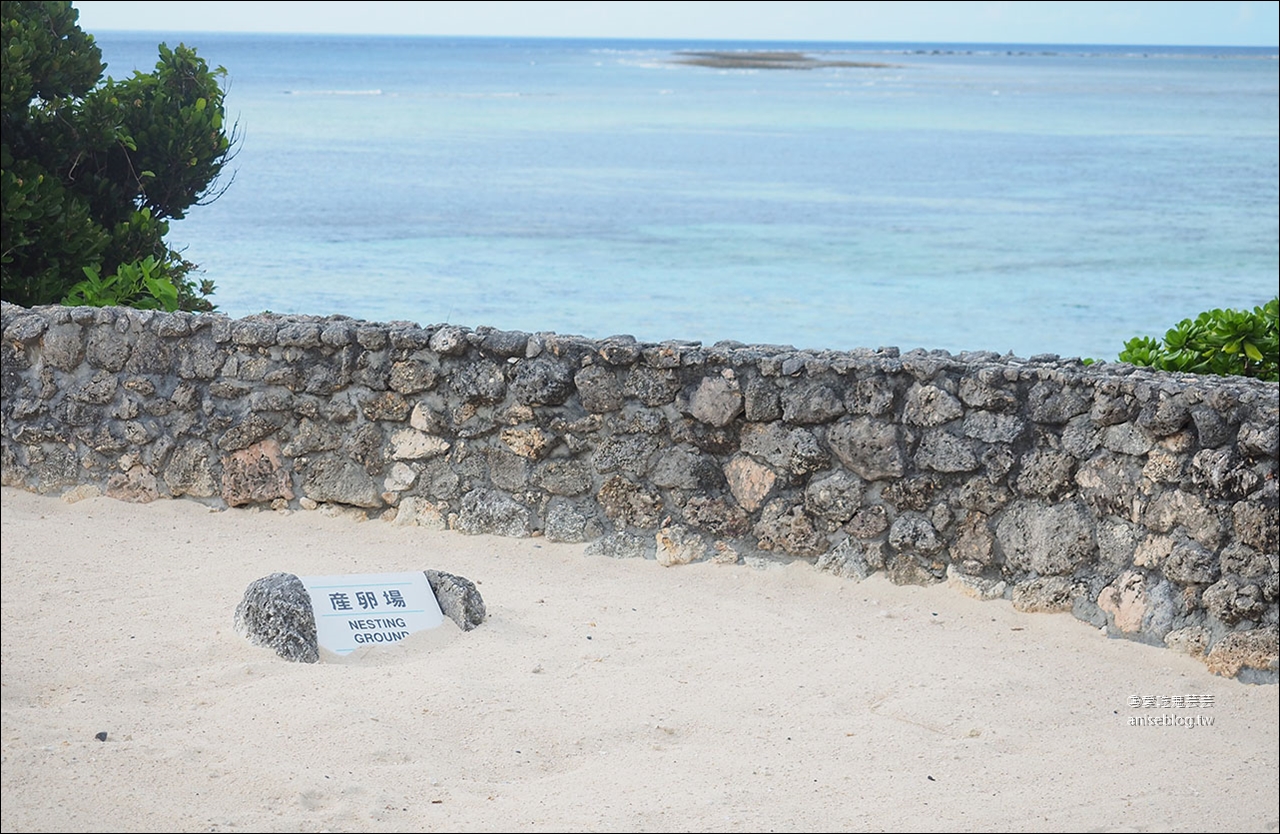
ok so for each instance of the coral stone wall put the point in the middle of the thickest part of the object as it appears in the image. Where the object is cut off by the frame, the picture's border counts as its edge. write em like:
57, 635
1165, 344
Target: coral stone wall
1140, 501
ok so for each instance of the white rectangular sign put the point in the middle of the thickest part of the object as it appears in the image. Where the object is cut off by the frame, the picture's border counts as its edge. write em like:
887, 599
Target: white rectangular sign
374, 609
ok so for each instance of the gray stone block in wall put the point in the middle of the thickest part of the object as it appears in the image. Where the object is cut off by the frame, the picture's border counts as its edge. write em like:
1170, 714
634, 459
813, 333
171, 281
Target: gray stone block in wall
490, 511
621, 545
572, 522
869, 447
941, 451
1047, 539
1262, 438
812, 403
929, 405
331, 478
789, 529
835, 497
599, 389
504, 343
796, 451
1165, 416
25, 327
912, 532
629, 453
717, 401
849, 559
543, 381
276, 613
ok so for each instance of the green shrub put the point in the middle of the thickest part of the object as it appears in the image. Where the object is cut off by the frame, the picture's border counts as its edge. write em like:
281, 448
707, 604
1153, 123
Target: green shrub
92, 171
134, 285
1224, 342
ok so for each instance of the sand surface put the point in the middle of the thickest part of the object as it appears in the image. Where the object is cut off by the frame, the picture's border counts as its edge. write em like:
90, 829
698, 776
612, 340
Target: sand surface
599, 695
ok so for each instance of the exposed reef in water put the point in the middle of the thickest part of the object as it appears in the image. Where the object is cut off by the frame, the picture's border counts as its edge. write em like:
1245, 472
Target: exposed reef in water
765, 60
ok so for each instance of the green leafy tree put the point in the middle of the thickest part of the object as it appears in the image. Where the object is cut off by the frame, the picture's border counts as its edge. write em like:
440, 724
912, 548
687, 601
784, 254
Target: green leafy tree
1224, 342
91, 171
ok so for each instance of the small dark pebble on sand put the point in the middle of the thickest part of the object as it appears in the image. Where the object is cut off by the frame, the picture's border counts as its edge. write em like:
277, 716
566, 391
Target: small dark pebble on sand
102, 736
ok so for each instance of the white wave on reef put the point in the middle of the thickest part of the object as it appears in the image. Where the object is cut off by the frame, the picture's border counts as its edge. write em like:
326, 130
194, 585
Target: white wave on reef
477, 95
333, 92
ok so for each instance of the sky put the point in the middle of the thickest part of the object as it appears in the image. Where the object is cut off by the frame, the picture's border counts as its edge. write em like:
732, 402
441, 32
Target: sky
1136, 23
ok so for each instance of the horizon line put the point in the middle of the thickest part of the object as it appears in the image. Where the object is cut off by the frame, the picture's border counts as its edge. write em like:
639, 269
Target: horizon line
1275, 46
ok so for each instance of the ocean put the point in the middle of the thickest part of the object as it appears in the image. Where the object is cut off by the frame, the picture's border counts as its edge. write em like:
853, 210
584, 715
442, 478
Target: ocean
1026, 199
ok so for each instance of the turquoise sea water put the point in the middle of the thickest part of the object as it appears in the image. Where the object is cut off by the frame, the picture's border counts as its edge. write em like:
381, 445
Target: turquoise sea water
1026, 199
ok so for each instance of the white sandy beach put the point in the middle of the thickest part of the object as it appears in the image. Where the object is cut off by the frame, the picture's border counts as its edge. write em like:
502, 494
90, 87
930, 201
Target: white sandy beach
598, 695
